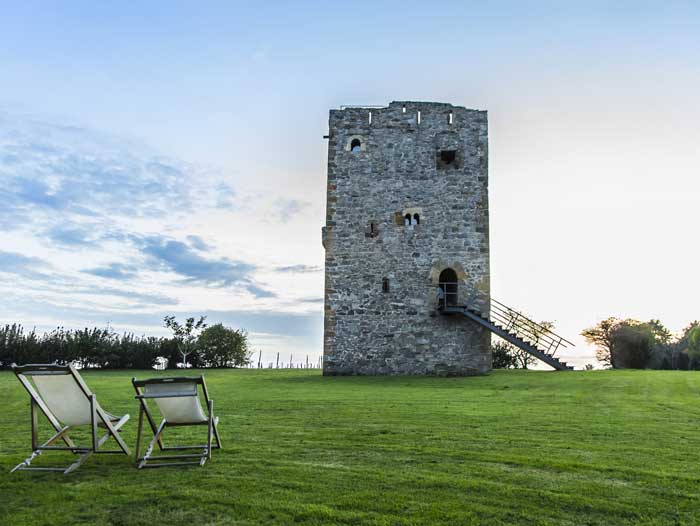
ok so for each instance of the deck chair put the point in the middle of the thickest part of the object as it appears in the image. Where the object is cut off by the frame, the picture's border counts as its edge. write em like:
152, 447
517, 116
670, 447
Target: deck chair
60, 393
177, 400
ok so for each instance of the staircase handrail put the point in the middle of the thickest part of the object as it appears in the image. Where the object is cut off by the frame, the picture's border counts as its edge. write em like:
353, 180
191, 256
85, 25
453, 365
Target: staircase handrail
526, 328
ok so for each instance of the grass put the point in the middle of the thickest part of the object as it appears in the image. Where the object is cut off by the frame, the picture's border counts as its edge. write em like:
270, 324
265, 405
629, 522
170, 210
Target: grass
515, 447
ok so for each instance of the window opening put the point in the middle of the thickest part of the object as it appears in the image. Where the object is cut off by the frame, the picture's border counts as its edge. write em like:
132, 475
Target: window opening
385, 285
448, 156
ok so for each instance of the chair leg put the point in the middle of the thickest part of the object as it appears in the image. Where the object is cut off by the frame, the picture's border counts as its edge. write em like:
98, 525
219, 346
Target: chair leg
138, 436
151, 444
210, 428
75, 465
37, 450
216, 433
113, 430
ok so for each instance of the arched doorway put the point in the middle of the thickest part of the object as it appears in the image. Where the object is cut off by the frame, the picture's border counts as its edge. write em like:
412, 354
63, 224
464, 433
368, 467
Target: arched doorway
448, 284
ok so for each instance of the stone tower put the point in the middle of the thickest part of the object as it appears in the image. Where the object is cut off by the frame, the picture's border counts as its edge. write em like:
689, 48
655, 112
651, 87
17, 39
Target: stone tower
407, 223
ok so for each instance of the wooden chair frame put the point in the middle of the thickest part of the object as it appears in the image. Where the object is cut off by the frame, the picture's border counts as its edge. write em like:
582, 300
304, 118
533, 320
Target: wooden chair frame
99, 418
149, 460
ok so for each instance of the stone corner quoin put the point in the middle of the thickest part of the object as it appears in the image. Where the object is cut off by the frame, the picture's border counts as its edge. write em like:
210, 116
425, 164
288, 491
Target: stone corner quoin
406, 214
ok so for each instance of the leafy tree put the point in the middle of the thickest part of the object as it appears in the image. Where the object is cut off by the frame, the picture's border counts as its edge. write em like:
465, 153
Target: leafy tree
664, 351
503, 356
690, 341
602, 337
508, 356
632, 344
221, 346
185, 334
661, 335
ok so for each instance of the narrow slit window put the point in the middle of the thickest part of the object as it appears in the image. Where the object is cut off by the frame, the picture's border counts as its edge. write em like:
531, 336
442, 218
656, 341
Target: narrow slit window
418, 118
385, 285
450, 118
369, 119
403, 109
372, 229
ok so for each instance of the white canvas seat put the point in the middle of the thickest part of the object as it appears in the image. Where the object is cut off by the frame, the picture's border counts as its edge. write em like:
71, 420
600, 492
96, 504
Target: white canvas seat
67, 402
178, 401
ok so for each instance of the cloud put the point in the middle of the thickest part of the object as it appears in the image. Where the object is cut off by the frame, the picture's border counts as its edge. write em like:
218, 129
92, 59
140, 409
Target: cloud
311, 300
142, 297
117, 271
225, 196
21, 265
72, 236
286, 209
168, 254
77, 171
259, 292
299, 269
198, 243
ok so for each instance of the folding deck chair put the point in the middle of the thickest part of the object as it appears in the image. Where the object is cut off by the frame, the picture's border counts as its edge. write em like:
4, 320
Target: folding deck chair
67, 402
178, 401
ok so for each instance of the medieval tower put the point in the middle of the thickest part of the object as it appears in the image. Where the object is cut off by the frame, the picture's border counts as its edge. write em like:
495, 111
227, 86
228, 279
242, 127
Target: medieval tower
407, 233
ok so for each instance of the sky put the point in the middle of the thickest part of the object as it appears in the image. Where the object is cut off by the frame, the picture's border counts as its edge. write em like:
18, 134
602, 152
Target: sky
169, 158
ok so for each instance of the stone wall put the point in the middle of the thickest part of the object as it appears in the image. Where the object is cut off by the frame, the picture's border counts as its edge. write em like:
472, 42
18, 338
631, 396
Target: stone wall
429, 159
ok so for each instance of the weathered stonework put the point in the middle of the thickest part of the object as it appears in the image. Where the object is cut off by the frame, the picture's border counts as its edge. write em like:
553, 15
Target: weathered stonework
414, 158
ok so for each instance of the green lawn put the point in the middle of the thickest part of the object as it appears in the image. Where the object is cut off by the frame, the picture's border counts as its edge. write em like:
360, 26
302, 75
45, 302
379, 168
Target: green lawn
515, 447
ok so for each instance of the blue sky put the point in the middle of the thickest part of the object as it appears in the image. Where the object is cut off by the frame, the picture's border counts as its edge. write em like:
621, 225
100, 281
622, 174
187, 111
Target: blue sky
168, 158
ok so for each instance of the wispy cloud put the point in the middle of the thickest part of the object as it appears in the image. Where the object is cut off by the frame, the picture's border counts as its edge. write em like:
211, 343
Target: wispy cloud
168, 254
72, 236
311, 300
299, 269
116, 271
21, 265
198, 243
141, 297
225, 196
51, 168
287, 209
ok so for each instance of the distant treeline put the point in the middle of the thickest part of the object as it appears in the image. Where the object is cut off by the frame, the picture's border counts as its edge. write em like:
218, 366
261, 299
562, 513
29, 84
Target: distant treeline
216, 346
632, 344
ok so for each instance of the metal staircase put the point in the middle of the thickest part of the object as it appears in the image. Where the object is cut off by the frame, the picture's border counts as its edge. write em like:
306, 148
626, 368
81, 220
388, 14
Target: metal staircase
511, 325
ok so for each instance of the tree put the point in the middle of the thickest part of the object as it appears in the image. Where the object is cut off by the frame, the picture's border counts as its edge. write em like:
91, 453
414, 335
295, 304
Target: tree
503, 356
507, 356
221, 346
185, 335
601, 336
632, 344
664, 351
690, 342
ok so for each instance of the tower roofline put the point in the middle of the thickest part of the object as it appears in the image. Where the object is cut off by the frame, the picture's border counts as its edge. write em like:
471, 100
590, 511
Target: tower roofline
407, 103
